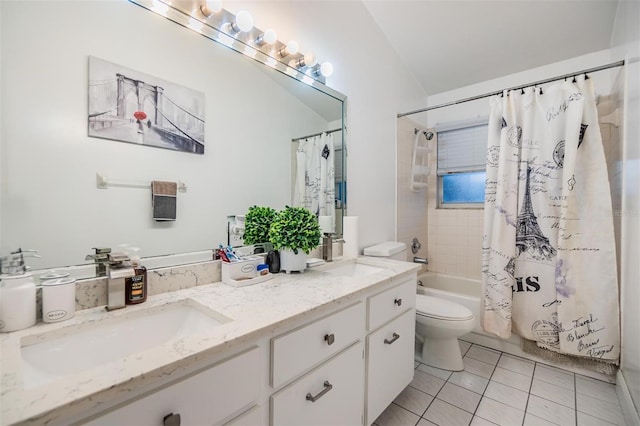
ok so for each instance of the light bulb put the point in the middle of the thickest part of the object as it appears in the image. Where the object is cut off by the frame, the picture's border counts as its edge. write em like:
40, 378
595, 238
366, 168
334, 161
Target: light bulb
267, 37
209, 7
243, 23
290, 49
326, 69
306, 61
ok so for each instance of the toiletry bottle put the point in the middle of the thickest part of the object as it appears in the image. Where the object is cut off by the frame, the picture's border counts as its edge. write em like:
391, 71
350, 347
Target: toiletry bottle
17, 294
136, 286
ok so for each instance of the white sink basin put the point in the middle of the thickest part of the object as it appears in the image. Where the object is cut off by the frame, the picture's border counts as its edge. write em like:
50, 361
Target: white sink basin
354, 270
49, 356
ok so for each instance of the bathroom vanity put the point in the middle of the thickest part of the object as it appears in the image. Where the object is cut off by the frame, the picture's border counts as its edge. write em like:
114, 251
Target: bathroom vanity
334, 345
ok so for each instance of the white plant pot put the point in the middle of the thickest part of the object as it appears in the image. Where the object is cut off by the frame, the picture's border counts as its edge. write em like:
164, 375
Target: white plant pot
291, 262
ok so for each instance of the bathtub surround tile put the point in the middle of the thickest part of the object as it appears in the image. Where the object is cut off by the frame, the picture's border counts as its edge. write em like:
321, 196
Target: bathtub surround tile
483, 354
519, 365
394, 415
426, 383
425, 422
511, 378
597, 389
601, 409
478, 368
499, 413
442, 413
553, 393
441, 374
459, 397
413, 400
551, 411
555, 376
469, 381
506, 394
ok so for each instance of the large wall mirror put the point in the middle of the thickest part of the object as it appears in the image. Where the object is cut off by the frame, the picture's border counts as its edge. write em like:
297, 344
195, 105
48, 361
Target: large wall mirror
50, 198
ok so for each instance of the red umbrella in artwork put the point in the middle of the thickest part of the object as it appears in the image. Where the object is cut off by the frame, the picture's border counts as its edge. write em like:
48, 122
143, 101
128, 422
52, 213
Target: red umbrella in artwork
140, 115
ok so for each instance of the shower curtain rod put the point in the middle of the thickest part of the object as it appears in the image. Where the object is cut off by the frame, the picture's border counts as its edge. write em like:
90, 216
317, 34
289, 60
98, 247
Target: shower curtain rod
486, 95
315, 134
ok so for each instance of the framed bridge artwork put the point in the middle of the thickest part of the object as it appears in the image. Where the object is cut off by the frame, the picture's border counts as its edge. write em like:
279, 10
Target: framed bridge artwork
131, 106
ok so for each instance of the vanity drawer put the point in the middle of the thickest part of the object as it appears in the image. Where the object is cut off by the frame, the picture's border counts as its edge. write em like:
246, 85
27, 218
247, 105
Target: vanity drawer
208, 397
332, 394
303, 348
390, 303
390, 362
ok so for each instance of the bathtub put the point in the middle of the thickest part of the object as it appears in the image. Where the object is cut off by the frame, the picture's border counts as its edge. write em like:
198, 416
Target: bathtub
467, 293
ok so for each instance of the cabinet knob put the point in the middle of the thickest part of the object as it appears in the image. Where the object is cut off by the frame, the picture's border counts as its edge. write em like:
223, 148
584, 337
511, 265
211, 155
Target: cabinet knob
327, 387
329, 338
171, 420
398, 302
396, 336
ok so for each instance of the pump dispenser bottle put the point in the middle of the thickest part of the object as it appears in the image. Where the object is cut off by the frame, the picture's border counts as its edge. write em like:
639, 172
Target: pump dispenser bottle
17, 293
136, 286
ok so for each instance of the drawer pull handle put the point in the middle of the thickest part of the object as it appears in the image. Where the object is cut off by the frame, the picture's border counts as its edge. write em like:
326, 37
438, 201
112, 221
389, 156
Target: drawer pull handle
171, 420
396, 336
327, 387
398, 302
329, 338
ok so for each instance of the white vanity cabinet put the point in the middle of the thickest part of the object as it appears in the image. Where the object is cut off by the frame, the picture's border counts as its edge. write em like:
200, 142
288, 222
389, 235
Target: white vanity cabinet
227, 392
390, 345
326, 359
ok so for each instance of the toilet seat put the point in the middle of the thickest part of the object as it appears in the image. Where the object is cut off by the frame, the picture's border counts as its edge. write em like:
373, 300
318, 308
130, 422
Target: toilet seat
434, 307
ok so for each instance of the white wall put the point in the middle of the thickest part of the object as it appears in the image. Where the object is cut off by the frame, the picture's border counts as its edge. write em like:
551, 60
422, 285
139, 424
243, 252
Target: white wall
625, 42
49, 163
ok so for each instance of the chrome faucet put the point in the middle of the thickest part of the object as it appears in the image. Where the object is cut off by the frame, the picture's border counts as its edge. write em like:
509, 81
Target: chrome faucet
327, 247
118, 270
422, 260
100, 257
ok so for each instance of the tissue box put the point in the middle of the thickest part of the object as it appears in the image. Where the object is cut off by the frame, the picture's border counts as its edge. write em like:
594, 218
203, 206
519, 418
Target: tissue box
243, 272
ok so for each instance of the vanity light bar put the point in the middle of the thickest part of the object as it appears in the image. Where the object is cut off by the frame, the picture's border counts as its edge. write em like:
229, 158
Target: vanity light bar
238, 33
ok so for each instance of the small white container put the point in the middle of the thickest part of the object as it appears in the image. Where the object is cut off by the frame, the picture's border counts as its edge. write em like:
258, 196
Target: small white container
17, 302
243, 272
58, 299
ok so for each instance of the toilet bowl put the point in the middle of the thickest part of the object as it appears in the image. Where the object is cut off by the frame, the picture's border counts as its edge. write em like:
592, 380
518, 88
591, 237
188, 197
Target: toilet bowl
439, 323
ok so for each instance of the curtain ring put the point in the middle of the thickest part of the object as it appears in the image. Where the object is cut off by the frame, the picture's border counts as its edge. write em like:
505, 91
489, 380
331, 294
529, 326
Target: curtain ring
574, 79
586, 76
522, 91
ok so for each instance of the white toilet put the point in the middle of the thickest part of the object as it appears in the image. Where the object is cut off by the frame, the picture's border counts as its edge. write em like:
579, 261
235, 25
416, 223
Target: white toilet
439, 322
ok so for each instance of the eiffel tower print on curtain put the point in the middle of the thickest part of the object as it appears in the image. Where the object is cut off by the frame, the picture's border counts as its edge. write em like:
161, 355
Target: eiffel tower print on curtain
529, 236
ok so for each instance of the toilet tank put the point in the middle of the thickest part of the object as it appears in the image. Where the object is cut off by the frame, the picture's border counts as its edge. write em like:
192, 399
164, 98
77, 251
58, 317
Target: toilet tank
389, 249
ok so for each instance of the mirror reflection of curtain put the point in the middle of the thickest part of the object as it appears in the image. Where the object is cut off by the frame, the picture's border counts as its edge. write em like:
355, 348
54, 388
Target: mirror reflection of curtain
315, 176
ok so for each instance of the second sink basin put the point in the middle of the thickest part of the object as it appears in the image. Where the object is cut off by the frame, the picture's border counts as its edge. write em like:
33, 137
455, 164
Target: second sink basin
48, 356
354, 270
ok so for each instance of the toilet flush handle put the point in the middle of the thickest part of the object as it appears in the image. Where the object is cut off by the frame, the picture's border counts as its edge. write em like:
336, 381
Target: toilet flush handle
398, 302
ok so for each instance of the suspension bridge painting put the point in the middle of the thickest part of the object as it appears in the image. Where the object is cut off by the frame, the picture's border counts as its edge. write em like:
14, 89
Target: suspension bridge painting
130, 106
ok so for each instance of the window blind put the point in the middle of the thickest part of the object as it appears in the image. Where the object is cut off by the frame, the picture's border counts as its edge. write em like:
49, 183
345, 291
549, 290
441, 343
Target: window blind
462, 149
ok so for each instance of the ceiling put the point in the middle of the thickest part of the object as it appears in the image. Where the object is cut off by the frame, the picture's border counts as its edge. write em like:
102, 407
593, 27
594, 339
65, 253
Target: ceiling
448, 44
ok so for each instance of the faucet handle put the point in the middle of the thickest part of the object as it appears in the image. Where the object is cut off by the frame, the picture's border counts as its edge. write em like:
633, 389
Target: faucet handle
13, 263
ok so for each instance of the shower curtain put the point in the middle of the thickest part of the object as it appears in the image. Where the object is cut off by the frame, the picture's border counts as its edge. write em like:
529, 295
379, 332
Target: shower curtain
549, 269
315, 176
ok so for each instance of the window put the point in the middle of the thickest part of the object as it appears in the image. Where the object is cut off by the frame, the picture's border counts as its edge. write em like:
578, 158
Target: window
461, 163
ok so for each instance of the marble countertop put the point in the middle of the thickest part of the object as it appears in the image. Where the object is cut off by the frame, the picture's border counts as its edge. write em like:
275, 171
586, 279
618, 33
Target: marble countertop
254, 310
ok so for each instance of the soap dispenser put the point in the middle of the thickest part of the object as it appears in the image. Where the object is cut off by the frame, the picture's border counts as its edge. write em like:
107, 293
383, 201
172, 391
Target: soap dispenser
17, 292
136, 286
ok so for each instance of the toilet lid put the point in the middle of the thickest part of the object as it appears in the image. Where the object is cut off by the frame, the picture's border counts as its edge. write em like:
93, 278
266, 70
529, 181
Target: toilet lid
435, 307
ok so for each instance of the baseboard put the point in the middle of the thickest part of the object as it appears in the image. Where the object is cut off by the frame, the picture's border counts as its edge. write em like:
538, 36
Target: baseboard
631, 416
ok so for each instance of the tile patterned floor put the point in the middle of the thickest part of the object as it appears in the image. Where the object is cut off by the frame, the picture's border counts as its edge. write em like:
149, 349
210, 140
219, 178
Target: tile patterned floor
500, 389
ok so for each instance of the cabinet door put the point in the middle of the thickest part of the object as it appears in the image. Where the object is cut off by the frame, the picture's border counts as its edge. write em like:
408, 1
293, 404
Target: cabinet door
390, 362
209, 397
390, 303
332, 394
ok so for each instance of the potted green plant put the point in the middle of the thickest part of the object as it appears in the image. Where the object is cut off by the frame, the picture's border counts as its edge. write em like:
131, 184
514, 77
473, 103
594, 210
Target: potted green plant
294, 233
257, 223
